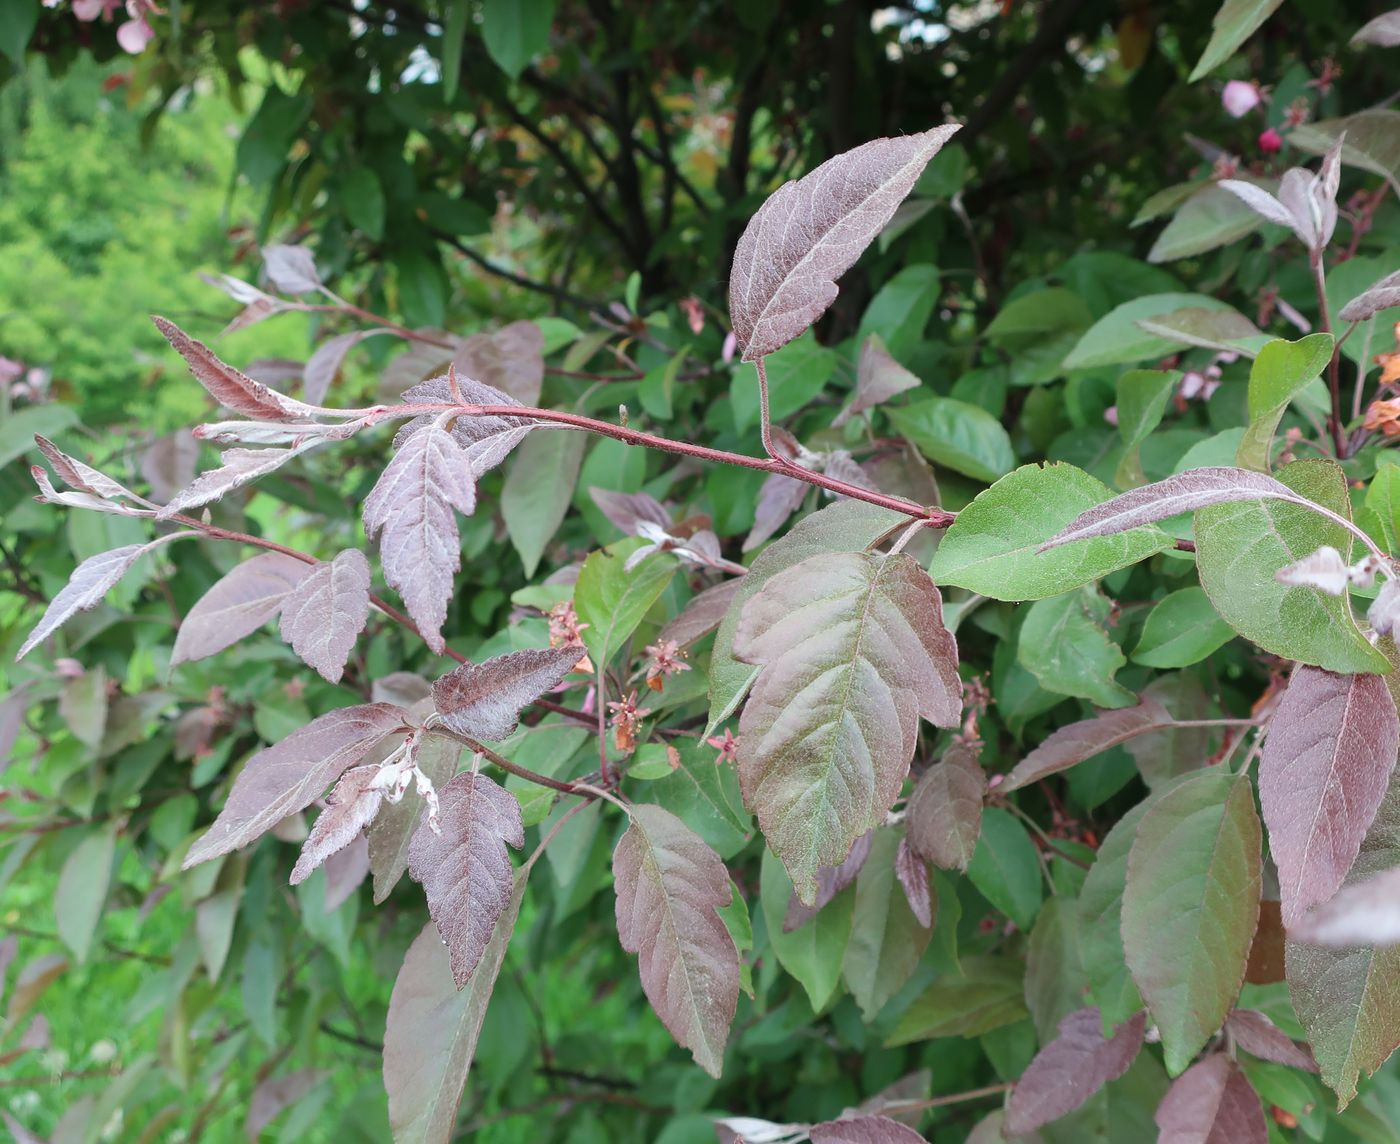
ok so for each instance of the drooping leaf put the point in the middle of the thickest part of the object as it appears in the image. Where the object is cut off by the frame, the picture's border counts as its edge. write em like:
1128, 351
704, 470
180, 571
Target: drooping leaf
810, 231
944, 813
919, 890
778, 498
410, 509
613, 601
993, 547
1325, 768
864, 1130
82, 890
238, 605
987, 996
483, 701
539, 489
511, 360
465, 870
237, 468
1234, 23
887, 939
860, 639
958, 435
393, 828
229, 387
1100, 917
878, 378
1069, 745
1118, 339
831, 880
433, 1028
350, 807
1190, 907
1006, 869
326, 612
669, 886
1064, 643
1181, 629
1280, 372
1256, 1034
289, 776
1071, 1068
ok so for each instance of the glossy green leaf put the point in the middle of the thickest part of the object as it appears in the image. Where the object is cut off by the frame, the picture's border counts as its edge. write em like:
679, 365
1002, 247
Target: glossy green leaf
706, 795
886, 940
1116, 338
1210, 218
1280, 372
1005, 867
953, 433
987, 996
1065, 645
814, 951
1181, 629
613, 601
901, 309
1236, 21
796, 374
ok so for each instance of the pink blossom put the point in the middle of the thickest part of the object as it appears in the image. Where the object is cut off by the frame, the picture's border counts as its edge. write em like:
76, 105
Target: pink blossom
1111, 415
731, 343
89, 10
1240, 97
134, 35
1270, 142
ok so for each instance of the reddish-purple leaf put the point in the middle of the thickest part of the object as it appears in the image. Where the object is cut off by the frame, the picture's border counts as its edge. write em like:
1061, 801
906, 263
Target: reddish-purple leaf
1384, 295
237, 605
346, 871
272, 1096
909, 1089
912, 872
483, 700
1212, 1102
292, 774
669, 887
350, 807
12, 708
811, 231
1079, 741
1256, 1034
878, 378
392, 831
237, 468
324, 614
864, 1130
702, 615
1325, 768
411, 510
168, 463
511, 360
487, 441
81, 476
432, 1029
1071, 1068
627, 510
229, 387
18, 1132
1184, 492
831, 880
853, 651
778, 499
944, 814
291, 269
324, 366
465, 870
30, 984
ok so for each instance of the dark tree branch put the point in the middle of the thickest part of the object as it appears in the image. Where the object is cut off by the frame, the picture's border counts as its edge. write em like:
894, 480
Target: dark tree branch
557, 293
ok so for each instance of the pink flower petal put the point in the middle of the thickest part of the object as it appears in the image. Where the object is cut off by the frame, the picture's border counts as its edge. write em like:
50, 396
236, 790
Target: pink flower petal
134, 35
1240, 98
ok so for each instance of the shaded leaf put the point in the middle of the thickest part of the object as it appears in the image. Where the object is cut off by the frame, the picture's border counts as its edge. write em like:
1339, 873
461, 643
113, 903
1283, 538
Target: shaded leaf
810, 231
1071, 1068
919, 892
511, 360
346, 871
291, 269
1099, 912
778, 498
1073, 744
864, 1130
483, 701
238, 605
1212, 1103
1066, 646
813, 952
887, 938
30, 984
1005, 868
1256, 1034
465, 870
229, 387
392, 830
958, 435
703, 614
326, 612
878, 378
1225, 330
539, 489
1385, 294
860, 639
1119, 339
987, 996
613, 601
82, 890
274, 1095
350, 807
944, 813
627, 510
669, 885
831, 880
324, 365
1234, 23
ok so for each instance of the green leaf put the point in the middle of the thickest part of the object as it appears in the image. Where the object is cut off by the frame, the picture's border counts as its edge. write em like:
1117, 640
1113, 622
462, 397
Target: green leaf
1066, 647
82, 890
1181, 629
1055, 980
1006, 869
1100, 914
1211, 218
657, 389
19, 428
1280, 372
796, 374
901, 309
1383, 498
538, 490
1241, 545
706, 796
1116, 338
262, 151
516, 31
961, 436
18, 19
422, 287
1142, 400
991, 547
1190, 907
362, 200
814, 951
986, 997
613, 601
1236, 21
1038, 313
886, 940
453, 35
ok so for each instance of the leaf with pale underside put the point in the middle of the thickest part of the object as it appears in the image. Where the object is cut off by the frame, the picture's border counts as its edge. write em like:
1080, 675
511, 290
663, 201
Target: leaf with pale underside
433, 1028
878, 378
237, 468
326, 612
80, 475
1191, 905
324, 365
831, 880
1325, 768
1384, 295
237, 605
853, 651
864, 1130
487, 440
510, 360
1071, 1068
627, 510
778, 498
703, 614
484, 700
230, 387
291, 269
465, 870
811, 231
393, 828
669, 886
1383, 31
411, 511
1212, 1103
1073, 744
944, 813
290, 775
1256, 1034
350, 807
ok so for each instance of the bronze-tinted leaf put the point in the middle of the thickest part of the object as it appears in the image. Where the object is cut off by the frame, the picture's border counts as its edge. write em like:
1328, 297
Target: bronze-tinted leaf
483, 700
274, 1095
912, 872
864, 1130
1071, 1068
831, 880
1212, 1102
853, 651
812, 230
229, 387
878, 378
510, 360
1256, 1034
324, 614
237, 605
944, 813
350, 807
703, 614
324, 365
1079, 741
669, 887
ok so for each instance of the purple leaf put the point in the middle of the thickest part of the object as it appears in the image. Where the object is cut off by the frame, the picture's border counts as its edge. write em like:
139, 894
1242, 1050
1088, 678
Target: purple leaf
944, 814
487, 441
1071, 1068
669, 886
291, 269
910, 1089
324, 366
1383, 31
80, 476
1079, 741
391, 833
1212, 1102
324, 614
912, 872
237, 605
1256, 1034
853, 651
1325, 768
702, 615
18, 1132
292, 774
168, 463
350, 807
1184, 492
274, 1095
237, 468
831, 880
346, 871
90, 582
511, 360
778, 498
878, 378
864, 1130
1260, 201
465, 870
1384, 295
433, 1027
410, 509
226, 385
627, 510
811, 231
483, 700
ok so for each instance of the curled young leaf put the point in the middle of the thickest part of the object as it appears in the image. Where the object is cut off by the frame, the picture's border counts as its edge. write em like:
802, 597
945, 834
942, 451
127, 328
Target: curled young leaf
484, 700
237, 605
350, 807
229, 387
326, 611
81, 476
